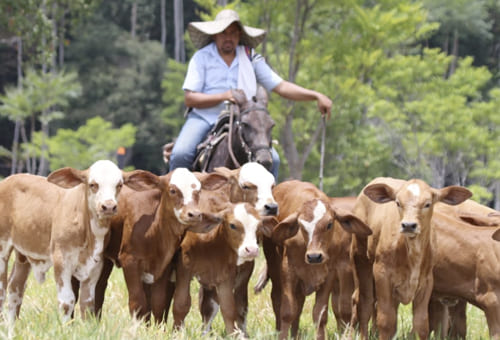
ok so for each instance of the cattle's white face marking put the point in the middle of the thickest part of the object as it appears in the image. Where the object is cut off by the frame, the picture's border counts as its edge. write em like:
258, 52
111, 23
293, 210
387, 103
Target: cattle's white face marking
318, 213
249, 249
105, 181
187, 183
414, 189
256, 174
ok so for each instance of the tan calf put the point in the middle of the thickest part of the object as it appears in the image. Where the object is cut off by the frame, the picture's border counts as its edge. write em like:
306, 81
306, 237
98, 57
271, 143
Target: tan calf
301, 255
213, 258
62, 221
396, 261
466, 270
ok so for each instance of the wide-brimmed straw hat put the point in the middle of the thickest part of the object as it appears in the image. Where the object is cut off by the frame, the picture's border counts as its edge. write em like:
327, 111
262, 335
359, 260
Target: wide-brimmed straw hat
201, 31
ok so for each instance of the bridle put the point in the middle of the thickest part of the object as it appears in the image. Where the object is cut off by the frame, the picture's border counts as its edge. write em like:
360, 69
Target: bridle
244, 145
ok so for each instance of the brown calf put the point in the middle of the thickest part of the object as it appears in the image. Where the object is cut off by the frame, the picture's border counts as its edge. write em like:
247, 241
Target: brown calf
62, 221
396, 261
301, 255
153, 225
251, 183
343, 276
213, 258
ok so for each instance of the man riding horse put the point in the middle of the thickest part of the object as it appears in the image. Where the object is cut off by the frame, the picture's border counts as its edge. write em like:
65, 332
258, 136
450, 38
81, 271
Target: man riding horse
225, 63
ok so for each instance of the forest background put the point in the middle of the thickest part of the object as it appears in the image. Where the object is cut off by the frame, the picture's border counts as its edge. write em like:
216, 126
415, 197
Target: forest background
415, 86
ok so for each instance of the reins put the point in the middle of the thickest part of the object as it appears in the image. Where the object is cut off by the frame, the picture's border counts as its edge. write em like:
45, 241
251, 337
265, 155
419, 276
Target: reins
230, 137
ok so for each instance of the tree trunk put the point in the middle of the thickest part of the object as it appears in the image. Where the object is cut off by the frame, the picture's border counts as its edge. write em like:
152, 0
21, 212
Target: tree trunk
266, 21
179, 52
133, 20
454, 52
61, 39
43, 169
17, 127
296, 160
163, 25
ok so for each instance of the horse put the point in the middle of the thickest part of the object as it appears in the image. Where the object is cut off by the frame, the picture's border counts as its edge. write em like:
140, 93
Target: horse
241, 134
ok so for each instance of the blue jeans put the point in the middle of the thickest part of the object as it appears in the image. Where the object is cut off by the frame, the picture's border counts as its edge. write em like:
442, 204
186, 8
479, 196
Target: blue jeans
193, 133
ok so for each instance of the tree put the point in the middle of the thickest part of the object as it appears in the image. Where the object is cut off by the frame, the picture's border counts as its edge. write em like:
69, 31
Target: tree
459, 20
38, 92
179, 53
121, 79
93, 141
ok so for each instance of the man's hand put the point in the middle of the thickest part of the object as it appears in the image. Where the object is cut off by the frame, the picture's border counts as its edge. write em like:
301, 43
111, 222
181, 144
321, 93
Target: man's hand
236, 95
324, 105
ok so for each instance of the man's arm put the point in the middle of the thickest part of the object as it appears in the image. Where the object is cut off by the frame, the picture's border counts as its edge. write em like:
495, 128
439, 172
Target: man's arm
203, 100
295, 92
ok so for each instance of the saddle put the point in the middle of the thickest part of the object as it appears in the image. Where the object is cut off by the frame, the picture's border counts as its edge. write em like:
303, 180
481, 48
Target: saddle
204, 149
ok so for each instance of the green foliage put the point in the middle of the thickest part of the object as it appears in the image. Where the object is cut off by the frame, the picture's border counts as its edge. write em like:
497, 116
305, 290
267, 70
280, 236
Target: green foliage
93, 141
173, 97
122, 80
396, 109
39, 92
425, 116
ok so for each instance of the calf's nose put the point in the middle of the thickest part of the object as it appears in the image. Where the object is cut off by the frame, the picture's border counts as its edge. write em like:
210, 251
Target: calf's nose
109, 207
408, 227
314, 258
271, 209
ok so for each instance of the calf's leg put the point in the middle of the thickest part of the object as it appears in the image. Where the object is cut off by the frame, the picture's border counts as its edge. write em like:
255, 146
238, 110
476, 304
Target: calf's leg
241, 293
227, 305
17, 285
208, 305
102, 284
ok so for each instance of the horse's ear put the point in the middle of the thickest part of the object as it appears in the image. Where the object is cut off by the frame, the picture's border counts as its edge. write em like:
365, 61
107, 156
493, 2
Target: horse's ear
239, 96
262, 96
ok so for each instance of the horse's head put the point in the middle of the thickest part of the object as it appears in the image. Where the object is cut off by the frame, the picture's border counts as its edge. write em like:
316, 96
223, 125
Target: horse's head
255, 125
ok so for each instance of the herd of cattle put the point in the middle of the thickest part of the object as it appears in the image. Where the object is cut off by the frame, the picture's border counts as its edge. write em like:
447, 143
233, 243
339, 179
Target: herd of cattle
398, 242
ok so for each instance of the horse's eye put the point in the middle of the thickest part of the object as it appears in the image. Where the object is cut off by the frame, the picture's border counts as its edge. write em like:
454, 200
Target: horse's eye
232, 226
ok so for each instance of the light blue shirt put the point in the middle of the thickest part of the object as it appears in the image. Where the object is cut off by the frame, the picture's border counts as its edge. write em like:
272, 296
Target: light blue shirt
208, 73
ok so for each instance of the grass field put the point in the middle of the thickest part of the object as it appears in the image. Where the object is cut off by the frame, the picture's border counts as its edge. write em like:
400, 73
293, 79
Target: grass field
40, 318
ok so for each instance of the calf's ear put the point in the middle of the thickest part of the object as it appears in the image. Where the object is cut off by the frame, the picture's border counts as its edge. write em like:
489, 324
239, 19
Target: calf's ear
268, 224
68, 177
285, 229
140, 180
351, 223
453, 194
380, 193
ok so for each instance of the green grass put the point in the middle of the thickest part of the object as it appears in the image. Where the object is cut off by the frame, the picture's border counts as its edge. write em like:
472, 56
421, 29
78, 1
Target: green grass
40, 318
